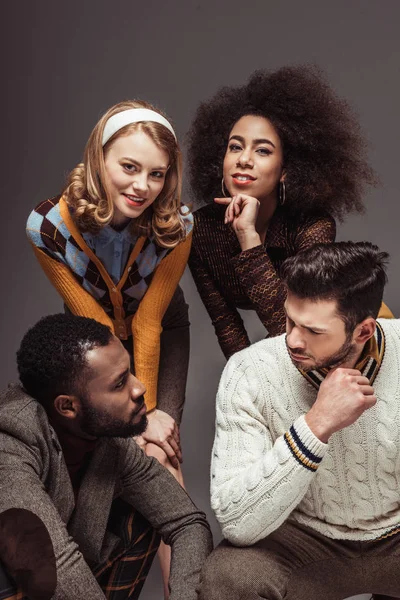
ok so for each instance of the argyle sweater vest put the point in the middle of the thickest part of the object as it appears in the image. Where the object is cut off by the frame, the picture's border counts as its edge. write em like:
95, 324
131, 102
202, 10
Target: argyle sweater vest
135, 306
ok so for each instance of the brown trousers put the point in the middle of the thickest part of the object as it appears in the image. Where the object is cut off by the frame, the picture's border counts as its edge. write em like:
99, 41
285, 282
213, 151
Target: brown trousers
297, 563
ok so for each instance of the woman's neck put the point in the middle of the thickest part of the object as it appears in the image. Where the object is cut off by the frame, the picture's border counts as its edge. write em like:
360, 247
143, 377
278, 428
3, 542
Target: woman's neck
265, 214
119, 224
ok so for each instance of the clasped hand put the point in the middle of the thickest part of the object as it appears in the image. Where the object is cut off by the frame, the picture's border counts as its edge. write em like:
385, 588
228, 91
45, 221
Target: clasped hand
162, 431
241, 213
343, 397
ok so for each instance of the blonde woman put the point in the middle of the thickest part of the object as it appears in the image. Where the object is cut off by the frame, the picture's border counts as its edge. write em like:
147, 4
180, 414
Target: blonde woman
115, 244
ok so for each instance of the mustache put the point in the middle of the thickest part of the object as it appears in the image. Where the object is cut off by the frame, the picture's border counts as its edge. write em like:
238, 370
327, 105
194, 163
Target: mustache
295, 351
140, 402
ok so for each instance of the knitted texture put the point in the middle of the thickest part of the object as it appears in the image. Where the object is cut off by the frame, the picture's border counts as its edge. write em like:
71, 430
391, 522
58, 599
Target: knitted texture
228, 278
144, 292
268, 466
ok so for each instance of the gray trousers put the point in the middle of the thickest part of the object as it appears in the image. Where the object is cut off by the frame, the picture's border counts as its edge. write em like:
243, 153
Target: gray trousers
297, 563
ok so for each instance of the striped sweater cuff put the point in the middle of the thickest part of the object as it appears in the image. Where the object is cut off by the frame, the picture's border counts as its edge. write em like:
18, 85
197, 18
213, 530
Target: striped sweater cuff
306, 448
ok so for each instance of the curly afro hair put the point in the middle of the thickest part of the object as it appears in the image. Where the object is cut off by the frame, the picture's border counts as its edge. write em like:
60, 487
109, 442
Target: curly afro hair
324, 152
52, 357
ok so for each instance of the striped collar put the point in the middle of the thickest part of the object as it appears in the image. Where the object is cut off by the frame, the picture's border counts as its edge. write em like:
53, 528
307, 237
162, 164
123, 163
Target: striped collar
369, 362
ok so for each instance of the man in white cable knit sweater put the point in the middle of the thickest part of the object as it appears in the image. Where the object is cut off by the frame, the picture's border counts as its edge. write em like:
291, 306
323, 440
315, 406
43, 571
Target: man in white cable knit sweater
305, 473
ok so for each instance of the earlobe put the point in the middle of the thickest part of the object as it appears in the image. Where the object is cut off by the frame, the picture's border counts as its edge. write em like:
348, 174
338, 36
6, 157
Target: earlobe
66, 406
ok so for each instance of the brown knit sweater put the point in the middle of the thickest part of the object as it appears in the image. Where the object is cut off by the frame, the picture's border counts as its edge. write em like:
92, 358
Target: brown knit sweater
228, 278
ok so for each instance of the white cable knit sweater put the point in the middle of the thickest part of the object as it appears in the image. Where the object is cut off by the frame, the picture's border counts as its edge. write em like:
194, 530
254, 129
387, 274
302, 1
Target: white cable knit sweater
346, 489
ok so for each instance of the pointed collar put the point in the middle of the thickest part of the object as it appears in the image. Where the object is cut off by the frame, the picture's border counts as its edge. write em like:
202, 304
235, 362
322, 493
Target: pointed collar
107, 235
368, 363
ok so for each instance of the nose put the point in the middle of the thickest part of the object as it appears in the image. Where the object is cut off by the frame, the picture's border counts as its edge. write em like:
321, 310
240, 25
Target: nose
295, 339
244, 159
140, 184
137, 389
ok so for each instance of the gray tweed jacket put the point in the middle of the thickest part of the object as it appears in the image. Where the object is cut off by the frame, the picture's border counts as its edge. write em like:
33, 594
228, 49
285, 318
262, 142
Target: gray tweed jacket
34, 481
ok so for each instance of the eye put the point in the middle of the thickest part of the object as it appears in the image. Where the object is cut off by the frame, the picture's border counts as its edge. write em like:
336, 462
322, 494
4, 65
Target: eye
121, 384
314, 332
129, 167
264, 151
158, 174
235, 147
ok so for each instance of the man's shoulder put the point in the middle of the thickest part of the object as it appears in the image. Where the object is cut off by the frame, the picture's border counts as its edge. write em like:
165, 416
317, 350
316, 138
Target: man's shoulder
391, 327
268, 349
267, 357
20, 414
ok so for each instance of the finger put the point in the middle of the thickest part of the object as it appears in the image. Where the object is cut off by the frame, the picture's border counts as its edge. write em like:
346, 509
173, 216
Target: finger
225, 201
229, 212
367, 390
176, 448
170, 452
370, 400
361, 379
177, 435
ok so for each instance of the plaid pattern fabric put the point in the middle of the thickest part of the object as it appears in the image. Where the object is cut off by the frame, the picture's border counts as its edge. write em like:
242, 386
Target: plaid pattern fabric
47, 230
122, 576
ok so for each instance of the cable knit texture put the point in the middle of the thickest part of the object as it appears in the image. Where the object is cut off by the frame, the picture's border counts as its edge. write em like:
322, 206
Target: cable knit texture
228, 278
346, 489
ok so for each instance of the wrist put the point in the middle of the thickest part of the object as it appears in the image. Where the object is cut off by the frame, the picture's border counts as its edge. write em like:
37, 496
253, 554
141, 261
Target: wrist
318, 426
248, 238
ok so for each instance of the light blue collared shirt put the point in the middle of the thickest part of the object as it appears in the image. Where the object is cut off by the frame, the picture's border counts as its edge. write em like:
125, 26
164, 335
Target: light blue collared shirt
112, 248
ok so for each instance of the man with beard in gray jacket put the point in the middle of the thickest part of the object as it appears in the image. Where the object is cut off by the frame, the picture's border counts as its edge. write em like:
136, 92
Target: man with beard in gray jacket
82, 508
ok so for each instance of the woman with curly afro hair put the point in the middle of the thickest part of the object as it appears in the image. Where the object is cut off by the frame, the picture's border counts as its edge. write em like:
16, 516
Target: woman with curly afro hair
287, 157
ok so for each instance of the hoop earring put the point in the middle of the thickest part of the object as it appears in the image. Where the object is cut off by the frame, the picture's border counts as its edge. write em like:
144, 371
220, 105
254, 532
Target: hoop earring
224, 190
282, 193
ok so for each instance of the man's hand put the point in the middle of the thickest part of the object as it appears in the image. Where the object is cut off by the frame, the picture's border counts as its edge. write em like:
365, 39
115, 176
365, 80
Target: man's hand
342, 398
241, 213
162, 431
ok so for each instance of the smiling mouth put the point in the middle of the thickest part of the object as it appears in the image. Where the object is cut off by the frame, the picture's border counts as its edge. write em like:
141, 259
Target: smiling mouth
134, 200
242, 178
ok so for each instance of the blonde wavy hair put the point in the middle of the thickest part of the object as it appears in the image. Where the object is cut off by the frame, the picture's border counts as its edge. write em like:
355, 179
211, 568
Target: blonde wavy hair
86, 193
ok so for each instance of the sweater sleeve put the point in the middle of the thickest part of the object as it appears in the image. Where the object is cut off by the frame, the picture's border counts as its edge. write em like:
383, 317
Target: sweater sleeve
262, 283
78, 300
256, 481
227, 322
174, 357
146, 324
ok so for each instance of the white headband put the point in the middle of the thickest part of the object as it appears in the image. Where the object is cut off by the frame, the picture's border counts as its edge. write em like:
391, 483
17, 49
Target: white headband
133, 115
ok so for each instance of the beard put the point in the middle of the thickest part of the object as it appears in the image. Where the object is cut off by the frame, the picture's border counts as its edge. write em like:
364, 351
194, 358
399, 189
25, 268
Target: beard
100, 423
346, 352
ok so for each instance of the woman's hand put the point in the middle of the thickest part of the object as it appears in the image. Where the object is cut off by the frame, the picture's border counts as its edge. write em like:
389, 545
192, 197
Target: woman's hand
242, 213
162, 431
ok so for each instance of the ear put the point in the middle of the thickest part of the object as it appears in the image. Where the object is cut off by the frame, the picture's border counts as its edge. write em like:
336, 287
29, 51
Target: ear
283, 175
364, 330
67, 406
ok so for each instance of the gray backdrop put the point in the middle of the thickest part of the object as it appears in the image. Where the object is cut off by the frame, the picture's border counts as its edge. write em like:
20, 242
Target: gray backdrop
66, 62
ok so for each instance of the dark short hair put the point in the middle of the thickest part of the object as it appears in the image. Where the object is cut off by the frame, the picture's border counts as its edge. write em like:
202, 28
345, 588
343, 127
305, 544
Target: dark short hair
52, 357
352, 273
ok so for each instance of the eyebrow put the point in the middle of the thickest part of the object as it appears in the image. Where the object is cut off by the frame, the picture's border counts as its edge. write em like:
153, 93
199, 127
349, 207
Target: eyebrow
163, 168
255, 142
308, 327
